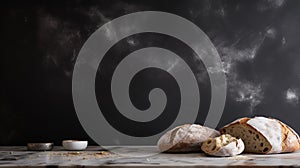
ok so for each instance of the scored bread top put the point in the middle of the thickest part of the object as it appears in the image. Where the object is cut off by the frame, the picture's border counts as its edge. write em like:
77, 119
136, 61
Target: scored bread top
290, 139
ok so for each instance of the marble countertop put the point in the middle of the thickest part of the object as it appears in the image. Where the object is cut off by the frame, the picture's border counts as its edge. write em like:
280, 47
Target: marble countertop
13, 156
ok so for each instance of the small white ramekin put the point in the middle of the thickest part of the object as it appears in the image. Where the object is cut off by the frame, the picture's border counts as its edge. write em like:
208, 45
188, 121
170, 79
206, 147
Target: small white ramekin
74, 144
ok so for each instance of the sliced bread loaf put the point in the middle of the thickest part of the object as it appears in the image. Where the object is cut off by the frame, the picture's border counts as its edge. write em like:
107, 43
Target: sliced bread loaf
224, 145
263, 135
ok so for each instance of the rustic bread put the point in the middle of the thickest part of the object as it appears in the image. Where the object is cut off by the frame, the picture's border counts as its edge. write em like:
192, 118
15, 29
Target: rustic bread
185, 138
224, 145
264, 135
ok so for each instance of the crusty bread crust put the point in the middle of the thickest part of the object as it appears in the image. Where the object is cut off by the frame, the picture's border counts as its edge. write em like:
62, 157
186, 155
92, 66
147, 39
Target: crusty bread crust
290, 139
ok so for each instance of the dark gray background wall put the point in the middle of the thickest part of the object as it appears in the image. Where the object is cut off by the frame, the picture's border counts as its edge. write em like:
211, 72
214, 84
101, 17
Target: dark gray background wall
258, 41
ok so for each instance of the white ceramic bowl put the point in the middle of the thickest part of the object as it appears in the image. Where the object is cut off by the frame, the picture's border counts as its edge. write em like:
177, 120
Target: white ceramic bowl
74, 144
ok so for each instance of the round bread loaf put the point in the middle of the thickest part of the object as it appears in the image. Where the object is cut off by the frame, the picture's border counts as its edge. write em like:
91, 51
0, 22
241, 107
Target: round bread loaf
263, 135
185, 138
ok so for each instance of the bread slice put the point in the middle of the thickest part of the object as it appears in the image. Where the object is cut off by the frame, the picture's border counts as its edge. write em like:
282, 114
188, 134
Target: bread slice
185, 138
263, 135
224, 145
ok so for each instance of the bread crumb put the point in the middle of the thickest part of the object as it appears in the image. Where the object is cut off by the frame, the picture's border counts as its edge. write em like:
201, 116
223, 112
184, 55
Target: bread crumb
101, 154
73, 153
84, 155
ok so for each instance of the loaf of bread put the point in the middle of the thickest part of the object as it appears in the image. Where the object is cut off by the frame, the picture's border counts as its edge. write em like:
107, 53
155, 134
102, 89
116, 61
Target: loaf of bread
263, 135
224, 145
185, 138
